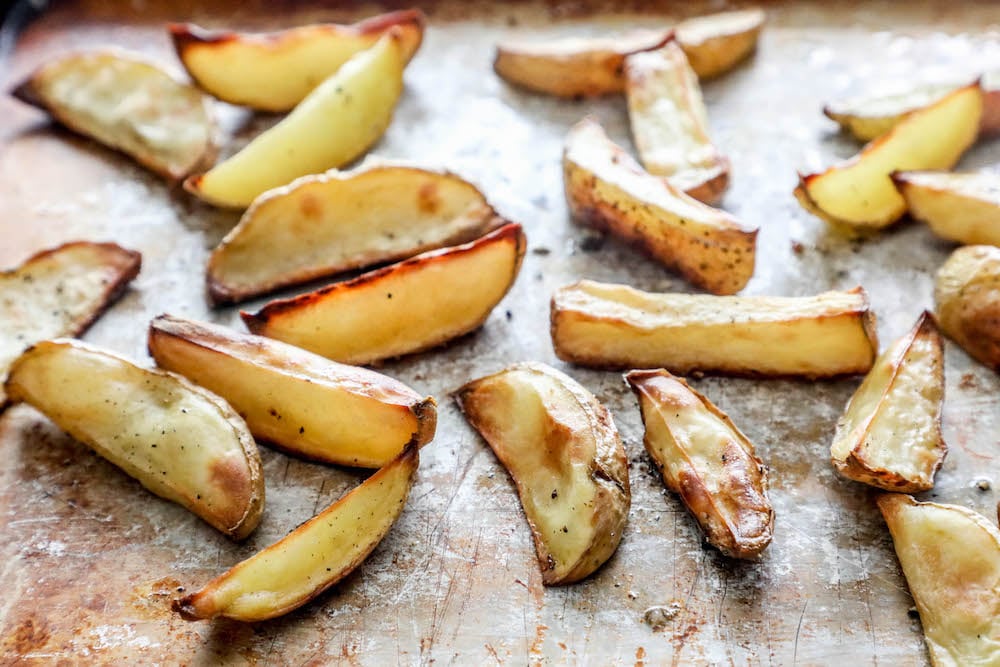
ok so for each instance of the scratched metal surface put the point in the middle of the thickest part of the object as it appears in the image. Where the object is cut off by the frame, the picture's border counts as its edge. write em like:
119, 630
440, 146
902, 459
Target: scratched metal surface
89, 561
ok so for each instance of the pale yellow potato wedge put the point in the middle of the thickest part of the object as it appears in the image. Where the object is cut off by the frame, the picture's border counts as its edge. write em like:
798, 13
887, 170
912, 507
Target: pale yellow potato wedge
275, 71
337, 122
615, 326
967, 301
320, 226
311, 558
298, 401
565, 456
707, 461
716, 43
178, 440
890, 433
951, 560
127, 104
404, 308
59, 292
859, 193
959, 207
607, 189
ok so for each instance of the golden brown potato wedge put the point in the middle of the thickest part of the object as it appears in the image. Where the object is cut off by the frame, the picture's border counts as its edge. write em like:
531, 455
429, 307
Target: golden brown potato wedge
707, 461
958, 207
407, 307
314, 556
562, 450
859, 192
60, 292
178, 440
951, 560
890, 433
320, 226
967, 301
615, 326
716, 43
607, 189
275, 71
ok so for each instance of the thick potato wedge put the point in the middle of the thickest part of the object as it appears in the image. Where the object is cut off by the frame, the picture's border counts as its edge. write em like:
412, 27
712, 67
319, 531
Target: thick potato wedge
967, 301
890, 433
562, 450
958, 207
275, 71
859, 192
407, 307
615, 326
314, 556
607, 189
707, 461
323, 225
334, 124
127, 104
178, 440
717, 43
951, 560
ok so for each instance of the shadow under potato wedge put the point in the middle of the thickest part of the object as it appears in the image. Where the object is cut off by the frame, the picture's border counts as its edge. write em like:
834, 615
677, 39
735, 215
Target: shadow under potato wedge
716, 43
960, 207
967, 301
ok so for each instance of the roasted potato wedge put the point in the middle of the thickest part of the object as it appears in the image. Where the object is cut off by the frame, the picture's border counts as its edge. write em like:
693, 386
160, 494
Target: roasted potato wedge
959, 207
178, 440
275, 71
707, 461
615, 326
338, 121
967, 301
320, 226
314, 556
717, 43
890, 433
400, 309
127, 104
951, 560
565, 456
859, 192
607, 189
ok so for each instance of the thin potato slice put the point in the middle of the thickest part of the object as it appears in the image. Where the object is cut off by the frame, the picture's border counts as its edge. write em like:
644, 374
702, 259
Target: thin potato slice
562, 450
311, 558
967, 301
320, 226
178, 440
951, 560
707, 461
338, 121
890, 433
127, 104
299, 401
716, 43
615, 326
275, 71
408, 307
958, 207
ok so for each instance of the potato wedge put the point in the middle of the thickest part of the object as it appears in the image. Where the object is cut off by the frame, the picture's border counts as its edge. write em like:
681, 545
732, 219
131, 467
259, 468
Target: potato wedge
338, 121
707, 461
859, 192
178, 440
565, 456
615, 326
320, 226
407, 307
890, 433
314, 556
127, 104
299, 401
951, 560
60, 292
275, 71
967, 301
716, 43
959, 207
607, 189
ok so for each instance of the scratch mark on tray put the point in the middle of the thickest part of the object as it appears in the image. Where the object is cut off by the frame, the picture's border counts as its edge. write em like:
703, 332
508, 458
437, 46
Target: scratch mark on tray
841, 556
456, 485
798, 630
319, 497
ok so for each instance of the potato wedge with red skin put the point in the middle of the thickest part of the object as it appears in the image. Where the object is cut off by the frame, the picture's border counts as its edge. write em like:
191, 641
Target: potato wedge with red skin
967, 301
716, 43
961, 207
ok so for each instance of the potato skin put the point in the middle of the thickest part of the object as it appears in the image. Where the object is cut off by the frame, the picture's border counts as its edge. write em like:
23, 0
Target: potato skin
967, 301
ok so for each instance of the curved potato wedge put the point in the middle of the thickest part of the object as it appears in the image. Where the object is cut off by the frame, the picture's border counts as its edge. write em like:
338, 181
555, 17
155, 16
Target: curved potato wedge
606, 189
615, 326
562, 450
958, 207
407, 307
127, 104
314, 556
890, 433
951, 560
716, 43
707, 461
178, 440
320, 226
275, 71
338, 121
967, 301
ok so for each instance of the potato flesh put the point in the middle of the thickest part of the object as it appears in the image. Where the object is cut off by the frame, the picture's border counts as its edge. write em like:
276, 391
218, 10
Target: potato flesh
870, 117
959, 207
967, 301
716, 43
